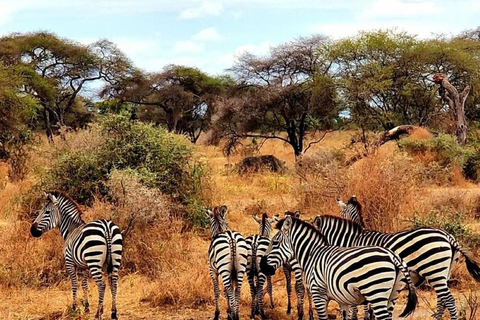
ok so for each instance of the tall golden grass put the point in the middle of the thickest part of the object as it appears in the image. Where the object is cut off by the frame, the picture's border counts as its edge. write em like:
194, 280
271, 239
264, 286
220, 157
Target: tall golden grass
165, 264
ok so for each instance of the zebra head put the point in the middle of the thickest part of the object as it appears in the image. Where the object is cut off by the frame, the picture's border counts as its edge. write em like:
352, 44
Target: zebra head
218, 224
280, 249
295, 214
48, 218
265, 224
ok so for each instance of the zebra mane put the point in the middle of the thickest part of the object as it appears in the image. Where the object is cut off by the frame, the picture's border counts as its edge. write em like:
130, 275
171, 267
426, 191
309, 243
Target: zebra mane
58, 193
304, 224
353, 201
347, 221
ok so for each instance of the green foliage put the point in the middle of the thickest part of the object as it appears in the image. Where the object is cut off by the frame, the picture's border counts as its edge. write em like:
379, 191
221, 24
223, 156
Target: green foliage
444, 148
160, 159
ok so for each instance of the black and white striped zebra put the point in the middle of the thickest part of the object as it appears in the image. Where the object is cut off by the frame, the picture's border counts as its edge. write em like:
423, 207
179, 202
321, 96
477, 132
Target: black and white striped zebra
88, 246
428, 253
227, 257
350, 276
257, 246
351, 210
293, 266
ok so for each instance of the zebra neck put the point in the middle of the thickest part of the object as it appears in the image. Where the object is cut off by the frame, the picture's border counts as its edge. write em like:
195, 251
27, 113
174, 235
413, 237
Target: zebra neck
264, 232
304, 243
67, 229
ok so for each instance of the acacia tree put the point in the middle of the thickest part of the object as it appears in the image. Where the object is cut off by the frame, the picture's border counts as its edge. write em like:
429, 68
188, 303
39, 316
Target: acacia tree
288, 92
57, 70
182, 98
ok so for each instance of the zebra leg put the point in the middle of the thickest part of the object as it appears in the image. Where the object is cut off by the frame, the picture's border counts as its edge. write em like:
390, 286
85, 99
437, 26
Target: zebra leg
380, 308
251, 282
270, 291
260, 283
238, 289
310, 305
444, 298
113, 278
368, 312
300, 291
97, 276
320, 300
86, 305
353, 313
216, 291
288, 282
73, 277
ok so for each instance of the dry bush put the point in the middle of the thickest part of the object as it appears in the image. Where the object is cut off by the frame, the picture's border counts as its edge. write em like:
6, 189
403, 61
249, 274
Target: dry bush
386, 189
322, 178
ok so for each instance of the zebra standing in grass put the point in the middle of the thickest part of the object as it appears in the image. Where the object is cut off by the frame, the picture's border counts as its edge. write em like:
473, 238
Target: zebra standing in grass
288, 267
88, 246
227, 257
350, 276
257, 246
428, 252
351, 210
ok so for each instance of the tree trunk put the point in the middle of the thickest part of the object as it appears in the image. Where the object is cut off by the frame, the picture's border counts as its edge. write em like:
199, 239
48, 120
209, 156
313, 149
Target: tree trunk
456, 102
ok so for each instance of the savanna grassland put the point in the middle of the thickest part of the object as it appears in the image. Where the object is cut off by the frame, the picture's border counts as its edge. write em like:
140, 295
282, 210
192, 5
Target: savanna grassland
165, 272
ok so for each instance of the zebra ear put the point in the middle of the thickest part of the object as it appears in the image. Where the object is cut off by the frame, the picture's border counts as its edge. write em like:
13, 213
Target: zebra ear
223, 211
51, 197
341, 203
254, 216
276, 217
287, 223
317, 222
208, 213
298, 213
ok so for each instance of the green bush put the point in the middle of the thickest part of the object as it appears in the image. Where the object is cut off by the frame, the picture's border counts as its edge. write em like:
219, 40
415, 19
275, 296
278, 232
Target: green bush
444, 148
160, 159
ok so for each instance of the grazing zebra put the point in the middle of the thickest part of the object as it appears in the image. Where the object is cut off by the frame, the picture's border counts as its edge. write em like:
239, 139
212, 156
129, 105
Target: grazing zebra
88, 246
428, 253
351, 210
257, 245
288, 267
350, 276
227, 257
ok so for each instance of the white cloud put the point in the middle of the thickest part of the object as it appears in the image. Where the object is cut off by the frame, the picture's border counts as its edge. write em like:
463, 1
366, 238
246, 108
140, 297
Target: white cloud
339, 30
258, 50
208, 34
400, 8
188, 47
206, 8
132, 47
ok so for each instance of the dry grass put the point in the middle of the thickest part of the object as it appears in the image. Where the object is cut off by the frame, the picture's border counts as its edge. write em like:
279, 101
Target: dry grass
165, 272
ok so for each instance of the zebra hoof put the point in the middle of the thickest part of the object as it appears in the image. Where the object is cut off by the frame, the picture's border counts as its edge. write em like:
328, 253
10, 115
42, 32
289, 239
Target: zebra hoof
114, 315
263, 315
217, 314
310, 315
300, 315
289, 310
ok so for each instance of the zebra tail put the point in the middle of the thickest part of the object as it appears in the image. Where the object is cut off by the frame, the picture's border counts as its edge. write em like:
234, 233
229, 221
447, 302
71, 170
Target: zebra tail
233, 251
472, 266
412, 299
253, 269
109, 252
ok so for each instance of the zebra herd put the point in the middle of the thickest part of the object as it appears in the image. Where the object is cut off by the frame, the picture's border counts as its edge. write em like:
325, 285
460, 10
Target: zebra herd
339, 259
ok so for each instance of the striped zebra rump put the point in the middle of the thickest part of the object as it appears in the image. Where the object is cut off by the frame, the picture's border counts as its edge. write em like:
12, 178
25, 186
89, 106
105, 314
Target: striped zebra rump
428, 252
350, 276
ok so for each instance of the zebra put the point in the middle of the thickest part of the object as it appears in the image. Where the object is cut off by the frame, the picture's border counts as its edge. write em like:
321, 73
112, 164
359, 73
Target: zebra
428, 252
351, 210
227, 257
257, 245
350, 276
88, 246
293, 266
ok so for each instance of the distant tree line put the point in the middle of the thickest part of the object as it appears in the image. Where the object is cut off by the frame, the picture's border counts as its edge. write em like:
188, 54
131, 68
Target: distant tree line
298, 92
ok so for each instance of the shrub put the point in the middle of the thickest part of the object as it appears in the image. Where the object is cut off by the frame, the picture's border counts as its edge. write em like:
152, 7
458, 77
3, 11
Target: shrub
159, 159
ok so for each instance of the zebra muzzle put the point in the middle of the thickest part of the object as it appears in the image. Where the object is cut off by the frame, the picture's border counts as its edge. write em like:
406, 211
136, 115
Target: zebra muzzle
34, 231
266, 268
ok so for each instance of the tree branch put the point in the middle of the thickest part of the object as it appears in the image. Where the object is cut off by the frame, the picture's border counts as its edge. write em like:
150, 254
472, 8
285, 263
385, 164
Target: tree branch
317, 141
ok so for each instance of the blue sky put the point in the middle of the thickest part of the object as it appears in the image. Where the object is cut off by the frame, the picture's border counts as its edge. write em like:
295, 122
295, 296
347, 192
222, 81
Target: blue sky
210, 34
